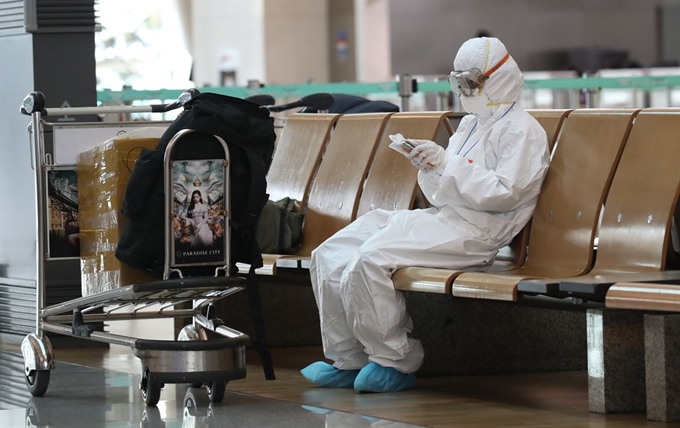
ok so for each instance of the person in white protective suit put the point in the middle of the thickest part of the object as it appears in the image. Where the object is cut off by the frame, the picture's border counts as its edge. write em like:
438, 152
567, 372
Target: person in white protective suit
483, 189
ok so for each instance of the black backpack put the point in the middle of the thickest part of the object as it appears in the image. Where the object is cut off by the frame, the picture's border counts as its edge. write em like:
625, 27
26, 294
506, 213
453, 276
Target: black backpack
349, 104
248, 130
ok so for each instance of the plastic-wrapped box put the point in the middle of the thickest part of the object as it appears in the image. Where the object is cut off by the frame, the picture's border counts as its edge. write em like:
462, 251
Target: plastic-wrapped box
103, 174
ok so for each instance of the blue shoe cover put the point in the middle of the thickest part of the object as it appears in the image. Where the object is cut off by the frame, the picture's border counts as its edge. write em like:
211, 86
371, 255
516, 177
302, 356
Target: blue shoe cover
376, 378
324, 374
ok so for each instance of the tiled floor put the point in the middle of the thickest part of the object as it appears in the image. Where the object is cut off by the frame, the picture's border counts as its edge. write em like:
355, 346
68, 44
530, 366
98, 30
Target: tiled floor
80, 396
93, 387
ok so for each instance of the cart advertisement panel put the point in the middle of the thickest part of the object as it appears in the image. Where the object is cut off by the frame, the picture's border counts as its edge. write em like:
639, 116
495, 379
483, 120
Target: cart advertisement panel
62, 205
198, 212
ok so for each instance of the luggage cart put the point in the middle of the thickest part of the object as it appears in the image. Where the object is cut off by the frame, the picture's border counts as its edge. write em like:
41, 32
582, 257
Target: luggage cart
192, 358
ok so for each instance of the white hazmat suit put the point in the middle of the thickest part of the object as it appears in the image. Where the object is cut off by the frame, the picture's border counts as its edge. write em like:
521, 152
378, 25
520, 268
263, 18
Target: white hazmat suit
483, 191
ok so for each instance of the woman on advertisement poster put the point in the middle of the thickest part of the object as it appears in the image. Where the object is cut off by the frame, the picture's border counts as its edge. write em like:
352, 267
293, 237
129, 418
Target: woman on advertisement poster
197, 217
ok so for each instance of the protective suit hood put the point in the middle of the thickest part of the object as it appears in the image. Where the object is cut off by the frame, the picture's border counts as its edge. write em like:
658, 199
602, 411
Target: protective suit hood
505, 84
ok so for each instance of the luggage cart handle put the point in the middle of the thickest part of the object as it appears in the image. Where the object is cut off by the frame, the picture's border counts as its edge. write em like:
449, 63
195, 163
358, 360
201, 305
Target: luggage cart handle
35, 103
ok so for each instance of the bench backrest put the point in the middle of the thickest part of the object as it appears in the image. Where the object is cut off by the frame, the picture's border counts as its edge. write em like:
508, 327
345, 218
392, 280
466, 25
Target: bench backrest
635, 230
335, 193
298, 154
568, 209
513, 255
551, 121
392, 181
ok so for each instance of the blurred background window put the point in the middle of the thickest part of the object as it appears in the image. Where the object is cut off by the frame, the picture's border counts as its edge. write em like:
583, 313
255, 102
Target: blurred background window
142, 45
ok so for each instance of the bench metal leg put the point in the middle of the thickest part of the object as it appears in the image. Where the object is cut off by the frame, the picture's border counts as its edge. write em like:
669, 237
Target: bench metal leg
662, 353
616, 362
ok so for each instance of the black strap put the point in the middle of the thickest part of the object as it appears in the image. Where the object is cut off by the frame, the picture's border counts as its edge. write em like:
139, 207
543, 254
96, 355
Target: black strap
282, 230
258, 191
253, 289
256, 200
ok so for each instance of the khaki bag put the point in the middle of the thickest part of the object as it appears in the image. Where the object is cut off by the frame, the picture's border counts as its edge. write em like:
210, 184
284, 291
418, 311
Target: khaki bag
279, 230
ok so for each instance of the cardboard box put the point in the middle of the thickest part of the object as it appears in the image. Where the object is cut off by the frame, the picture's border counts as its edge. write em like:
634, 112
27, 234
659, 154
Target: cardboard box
103, 174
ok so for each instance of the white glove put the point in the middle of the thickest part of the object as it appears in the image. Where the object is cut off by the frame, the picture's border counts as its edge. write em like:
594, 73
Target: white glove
427, 155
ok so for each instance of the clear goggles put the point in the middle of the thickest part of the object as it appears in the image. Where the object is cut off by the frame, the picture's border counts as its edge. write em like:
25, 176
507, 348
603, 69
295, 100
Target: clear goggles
470, 82
467, 82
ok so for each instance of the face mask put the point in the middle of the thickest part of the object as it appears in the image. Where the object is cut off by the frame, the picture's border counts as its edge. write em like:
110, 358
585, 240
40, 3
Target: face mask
477, 105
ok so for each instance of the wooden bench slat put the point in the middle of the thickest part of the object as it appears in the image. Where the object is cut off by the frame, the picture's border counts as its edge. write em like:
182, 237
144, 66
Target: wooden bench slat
298, 154
475, 285
644, 296
424, 279
636, 224
635, 230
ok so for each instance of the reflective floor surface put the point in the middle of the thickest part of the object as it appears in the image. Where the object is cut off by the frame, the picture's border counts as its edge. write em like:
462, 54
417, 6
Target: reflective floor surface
80, 396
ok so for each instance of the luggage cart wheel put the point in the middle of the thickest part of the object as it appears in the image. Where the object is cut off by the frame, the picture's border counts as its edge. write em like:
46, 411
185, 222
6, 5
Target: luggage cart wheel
151, 390
38, 361
37, 382
216, 391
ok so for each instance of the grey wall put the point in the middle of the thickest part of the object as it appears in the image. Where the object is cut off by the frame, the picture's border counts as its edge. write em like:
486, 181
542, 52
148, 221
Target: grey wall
17, 200
295, 41
670, 20
426, 34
